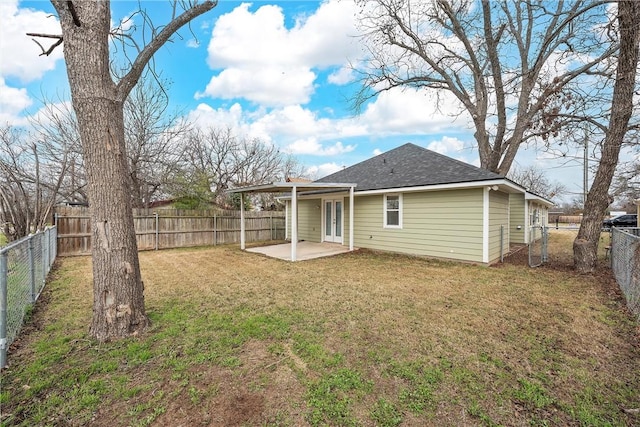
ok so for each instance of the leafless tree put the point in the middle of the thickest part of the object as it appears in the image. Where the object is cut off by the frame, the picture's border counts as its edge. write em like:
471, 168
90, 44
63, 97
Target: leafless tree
98, 99
626, 184
504, 61
535, 181
215, 160
585, 246
55, 129
31, 180
152, 138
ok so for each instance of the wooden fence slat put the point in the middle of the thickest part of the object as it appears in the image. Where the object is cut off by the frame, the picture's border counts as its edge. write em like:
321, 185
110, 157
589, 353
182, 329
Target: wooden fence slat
176, 228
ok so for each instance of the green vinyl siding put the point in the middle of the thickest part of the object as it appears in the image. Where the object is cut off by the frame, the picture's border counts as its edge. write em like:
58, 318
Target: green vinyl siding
517, 218
345, 207
445, 224
309, 219
498, 219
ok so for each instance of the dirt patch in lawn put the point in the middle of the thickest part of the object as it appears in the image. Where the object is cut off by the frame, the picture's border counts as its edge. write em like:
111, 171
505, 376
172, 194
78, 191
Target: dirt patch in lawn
263, 390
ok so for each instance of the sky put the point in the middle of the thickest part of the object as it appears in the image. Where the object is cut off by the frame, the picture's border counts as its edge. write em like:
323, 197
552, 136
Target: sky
275, 70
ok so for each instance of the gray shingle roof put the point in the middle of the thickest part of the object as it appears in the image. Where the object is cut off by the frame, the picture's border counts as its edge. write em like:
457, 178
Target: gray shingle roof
409, 166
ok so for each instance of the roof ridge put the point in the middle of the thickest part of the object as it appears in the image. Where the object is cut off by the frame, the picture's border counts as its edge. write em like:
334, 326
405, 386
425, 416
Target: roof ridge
465, 164
409, 165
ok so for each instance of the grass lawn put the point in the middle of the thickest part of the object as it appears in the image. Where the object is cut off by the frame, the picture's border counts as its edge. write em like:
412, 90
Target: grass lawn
357, 339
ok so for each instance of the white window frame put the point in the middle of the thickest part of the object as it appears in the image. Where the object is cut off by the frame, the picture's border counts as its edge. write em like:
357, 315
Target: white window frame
384, 207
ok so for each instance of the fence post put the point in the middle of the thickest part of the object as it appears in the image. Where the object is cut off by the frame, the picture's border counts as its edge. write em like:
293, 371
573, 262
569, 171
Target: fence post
45, 243
32, 268
545, 242
54, 247
3, 309
215, 230
44, 254
157, 231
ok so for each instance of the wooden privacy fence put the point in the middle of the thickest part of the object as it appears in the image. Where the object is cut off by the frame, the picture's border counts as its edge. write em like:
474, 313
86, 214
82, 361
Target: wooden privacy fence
171, 228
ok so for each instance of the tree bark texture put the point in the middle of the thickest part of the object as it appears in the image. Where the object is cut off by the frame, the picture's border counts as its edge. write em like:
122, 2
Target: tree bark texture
585, 247
118, 300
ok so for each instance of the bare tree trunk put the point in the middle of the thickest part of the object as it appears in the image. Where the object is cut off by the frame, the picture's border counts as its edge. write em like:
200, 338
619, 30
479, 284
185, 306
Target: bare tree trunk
118, 301
585, 247
118, 289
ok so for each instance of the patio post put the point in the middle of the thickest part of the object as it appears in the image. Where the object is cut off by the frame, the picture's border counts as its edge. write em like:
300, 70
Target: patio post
242, 226
351, 218
294, 222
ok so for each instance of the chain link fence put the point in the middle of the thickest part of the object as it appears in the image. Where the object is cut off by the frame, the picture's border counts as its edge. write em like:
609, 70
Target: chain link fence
24, 265
538, 243
625, 263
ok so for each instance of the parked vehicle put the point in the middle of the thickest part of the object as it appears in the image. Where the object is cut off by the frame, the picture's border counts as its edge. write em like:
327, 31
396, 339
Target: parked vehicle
626, 220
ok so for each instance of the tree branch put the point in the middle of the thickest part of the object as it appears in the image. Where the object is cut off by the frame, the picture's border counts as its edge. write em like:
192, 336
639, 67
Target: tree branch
127, 83
49, 36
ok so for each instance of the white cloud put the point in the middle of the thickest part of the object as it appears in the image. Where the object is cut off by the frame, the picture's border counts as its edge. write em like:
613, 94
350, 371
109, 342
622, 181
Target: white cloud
342, 76
205, 116
12, 102
320, 171
413, 112
377, 152
447, 145
126, 23
265, 62
312, 147
295, 122
271, 86
20, 54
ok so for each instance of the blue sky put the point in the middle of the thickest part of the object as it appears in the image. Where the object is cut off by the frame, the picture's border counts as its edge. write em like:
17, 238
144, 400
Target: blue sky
275, 70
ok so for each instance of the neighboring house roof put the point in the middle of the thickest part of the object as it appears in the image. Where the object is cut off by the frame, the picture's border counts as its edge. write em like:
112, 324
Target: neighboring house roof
292, 179
409, 166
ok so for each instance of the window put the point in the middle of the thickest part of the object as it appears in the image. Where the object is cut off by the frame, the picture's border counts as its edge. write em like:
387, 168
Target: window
534, 217
393, 211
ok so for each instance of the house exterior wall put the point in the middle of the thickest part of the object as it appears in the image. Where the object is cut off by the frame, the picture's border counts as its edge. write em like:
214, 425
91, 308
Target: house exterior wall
309, 219
444, 224
498, 224
517, 218
538, 214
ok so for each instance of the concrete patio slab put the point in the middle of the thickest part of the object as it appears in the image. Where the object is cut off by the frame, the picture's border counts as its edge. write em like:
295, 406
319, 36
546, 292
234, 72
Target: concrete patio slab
305, 250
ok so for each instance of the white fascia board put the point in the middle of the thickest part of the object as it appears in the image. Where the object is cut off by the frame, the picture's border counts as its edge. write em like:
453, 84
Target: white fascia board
540, 199
316, 195
276, 187
502, 183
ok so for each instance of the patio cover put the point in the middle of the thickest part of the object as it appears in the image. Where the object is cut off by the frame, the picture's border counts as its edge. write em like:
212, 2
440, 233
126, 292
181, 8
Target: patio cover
295, 188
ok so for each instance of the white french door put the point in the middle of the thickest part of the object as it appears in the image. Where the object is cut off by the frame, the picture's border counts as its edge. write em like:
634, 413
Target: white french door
333, 219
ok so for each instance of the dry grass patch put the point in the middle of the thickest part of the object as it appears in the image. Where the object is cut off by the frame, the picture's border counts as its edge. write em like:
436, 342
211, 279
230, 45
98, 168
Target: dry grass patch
358, 339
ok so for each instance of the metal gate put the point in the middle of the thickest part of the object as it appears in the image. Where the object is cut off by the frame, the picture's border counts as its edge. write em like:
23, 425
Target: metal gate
538, 241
